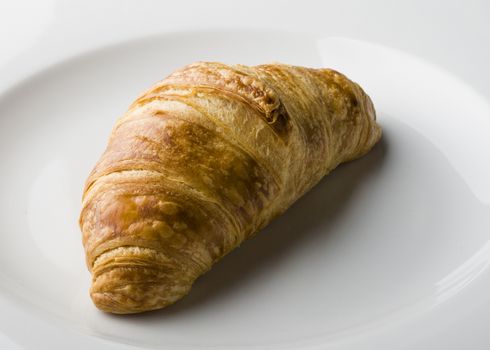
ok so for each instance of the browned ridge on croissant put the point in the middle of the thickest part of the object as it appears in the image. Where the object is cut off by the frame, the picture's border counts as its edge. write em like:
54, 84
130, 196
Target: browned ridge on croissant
202, 161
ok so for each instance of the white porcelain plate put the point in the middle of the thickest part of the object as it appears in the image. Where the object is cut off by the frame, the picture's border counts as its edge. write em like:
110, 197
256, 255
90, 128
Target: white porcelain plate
390, 251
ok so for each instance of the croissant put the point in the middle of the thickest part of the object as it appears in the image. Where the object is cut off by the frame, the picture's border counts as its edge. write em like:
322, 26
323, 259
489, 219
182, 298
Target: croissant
202, 161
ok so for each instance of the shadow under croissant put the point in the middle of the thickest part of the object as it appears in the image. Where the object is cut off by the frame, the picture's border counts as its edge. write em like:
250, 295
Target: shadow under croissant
324, 205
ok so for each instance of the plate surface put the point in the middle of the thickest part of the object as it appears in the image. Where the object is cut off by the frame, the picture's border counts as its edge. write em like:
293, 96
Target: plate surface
390, 250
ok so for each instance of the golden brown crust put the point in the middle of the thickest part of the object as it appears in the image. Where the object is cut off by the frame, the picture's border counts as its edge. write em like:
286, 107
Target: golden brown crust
202, 161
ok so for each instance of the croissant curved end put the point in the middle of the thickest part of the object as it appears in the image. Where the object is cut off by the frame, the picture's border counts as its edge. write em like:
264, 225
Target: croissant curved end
121, 287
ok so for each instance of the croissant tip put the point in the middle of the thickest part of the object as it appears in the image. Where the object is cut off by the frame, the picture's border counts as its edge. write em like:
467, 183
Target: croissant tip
117, 303
112, 303
106, 302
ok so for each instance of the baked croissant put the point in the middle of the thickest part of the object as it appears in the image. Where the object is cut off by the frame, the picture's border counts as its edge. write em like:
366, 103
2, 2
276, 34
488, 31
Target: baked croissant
202, 161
